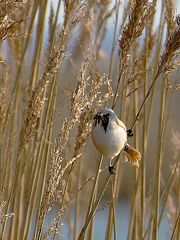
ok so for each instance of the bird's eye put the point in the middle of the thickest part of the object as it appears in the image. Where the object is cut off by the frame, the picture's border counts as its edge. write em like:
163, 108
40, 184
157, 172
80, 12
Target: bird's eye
107, 115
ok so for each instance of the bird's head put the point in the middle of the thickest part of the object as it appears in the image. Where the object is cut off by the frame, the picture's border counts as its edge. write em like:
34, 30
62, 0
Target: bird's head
104, 116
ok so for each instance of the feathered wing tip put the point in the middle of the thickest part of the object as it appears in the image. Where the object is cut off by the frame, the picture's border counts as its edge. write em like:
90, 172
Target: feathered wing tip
133, 155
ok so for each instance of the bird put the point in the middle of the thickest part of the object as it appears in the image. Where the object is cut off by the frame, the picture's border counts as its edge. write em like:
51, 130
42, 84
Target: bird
109, 135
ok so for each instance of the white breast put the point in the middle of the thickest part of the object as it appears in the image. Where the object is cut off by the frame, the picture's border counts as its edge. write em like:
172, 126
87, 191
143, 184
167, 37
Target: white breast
111, 142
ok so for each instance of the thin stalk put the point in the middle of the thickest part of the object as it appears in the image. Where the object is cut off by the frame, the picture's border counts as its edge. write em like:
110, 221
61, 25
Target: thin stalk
156, 59
133, 226
143, 166
19, 217
118, 84
14, 104
18, 78
175, 226
55, 24
167, 188
155, 75
12, 192
77, 201
157, 54
112, 216
49, 111
165, 192
133, 206
8, 156
114, 38
39, 170
178, 207
159, 161
50, 106
145, 99
38, 43
122, 64
132, 229
123, 72
36, 201
63, 199
37, 52
114, 211
94, 189
32, 195
95, 205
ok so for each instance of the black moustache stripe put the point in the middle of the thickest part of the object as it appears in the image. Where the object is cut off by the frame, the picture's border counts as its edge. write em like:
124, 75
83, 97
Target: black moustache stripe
97, 119
103, 120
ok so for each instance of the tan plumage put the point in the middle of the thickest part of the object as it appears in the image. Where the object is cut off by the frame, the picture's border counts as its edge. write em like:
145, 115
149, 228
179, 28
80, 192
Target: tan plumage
132, 154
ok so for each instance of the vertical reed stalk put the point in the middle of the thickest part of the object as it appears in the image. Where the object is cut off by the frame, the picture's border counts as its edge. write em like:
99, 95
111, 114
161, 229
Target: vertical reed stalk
76, 215
159, 162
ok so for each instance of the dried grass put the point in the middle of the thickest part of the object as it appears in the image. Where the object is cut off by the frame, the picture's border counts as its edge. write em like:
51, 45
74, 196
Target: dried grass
44, 144
85, 100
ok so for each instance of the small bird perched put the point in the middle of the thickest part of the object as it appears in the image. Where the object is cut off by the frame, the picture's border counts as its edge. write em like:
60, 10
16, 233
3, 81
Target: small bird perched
109, 136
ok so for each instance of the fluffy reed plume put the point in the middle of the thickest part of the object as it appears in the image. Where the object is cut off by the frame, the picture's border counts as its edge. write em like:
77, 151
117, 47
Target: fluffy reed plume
140, 13
85, 99
7, 23
169, 15
37, 100
47, 171
168, 60
34, 109
174, 86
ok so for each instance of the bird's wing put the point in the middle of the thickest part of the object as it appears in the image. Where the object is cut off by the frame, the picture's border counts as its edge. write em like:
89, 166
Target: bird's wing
121, 124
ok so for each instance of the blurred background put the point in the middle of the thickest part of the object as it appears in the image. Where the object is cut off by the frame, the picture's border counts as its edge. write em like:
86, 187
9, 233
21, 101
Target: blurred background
32, 38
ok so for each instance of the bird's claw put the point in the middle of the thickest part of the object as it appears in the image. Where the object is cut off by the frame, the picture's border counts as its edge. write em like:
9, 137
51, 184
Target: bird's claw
112, 170
130, 133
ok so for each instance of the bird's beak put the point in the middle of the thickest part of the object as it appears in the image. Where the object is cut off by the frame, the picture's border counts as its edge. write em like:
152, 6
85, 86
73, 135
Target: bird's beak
98, 116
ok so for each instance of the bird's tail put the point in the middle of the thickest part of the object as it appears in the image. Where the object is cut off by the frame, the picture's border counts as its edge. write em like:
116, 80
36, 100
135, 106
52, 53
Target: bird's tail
132, 154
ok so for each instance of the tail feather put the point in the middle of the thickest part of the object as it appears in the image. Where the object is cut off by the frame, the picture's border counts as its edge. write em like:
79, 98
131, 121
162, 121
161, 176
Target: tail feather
133, 155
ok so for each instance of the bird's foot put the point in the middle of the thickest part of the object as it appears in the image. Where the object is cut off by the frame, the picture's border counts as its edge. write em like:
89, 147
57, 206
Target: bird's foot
130, 133
112, 169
